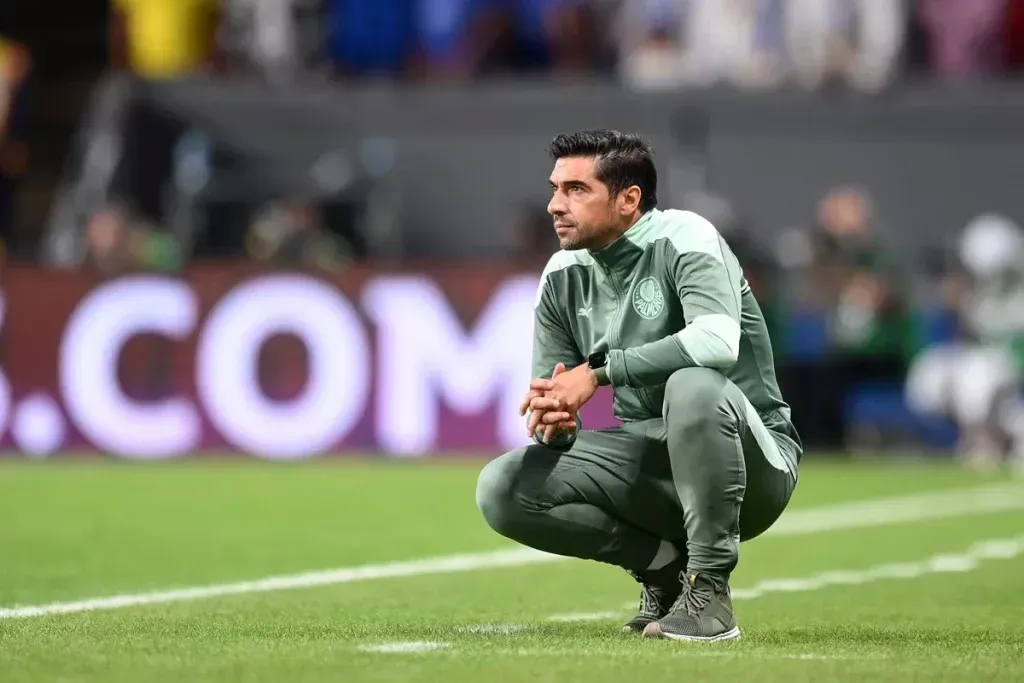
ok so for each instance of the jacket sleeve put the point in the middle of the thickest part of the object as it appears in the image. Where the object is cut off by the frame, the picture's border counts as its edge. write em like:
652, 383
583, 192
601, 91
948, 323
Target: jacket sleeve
552, 344
708, 281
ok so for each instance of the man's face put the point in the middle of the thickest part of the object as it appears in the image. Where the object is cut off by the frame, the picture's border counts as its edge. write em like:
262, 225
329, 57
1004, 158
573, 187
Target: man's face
844, 213
584, 213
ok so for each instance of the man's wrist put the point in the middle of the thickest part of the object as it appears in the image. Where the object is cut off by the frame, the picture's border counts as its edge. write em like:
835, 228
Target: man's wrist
616, 368
601, 376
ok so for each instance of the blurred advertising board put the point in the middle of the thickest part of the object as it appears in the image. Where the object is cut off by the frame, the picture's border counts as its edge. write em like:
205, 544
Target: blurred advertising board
276, 364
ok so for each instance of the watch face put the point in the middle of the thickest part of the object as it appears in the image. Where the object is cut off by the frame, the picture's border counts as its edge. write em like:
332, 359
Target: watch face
597, 360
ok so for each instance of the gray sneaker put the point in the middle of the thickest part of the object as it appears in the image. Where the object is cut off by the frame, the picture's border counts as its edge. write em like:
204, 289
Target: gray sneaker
703, 612
659, 589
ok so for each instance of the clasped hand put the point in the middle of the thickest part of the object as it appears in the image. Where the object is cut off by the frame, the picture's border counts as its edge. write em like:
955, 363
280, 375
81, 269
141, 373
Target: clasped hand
555, 403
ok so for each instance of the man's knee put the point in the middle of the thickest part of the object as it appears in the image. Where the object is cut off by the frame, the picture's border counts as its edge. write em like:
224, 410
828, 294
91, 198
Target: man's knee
496, 494
694, 394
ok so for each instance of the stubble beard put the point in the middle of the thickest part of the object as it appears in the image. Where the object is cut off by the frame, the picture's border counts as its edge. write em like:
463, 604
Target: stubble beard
586, 239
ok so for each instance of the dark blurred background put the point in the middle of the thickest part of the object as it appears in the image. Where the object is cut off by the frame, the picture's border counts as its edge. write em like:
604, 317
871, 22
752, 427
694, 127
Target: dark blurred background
863, 157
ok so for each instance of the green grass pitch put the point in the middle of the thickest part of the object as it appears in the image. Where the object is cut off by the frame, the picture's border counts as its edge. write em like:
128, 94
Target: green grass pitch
924, 581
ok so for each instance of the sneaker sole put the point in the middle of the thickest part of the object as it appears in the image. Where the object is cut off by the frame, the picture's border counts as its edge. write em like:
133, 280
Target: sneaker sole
654, 630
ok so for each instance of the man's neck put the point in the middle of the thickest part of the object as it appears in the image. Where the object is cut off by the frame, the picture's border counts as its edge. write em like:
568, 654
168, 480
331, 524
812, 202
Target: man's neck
615, 233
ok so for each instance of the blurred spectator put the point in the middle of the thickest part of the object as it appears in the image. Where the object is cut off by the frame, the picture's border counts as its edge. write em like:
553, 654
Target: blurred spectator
107, 241
392, 37
850, 275
976, 380
117, 243
858, 41
271, 38
456, 38
14, 68
459, 38
853, 273
965, 38
164, 39
291, 233
153, 249
369, 38
672, 43
761, 43
650, 40
558, 35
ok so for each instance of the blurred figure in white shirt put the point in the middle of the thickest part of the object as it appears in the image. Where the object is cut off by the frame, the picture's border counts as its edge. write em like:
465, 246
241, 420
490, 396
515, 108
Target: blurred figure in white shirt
976, 380
856, 41
677, 43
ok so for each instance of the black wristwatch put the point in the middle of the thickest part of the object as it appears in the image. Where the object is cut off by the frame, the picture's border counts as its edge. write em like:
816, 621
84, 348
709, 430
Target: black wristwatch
598, 362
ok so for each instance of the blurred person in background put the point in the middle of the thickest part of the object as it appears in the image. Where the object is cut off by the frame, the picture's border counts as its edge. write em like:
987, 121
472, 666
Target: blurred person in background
550, 35
369, 38
153, 248
854, 270
977, 379
464, 38
119, 242
15, 63
650, 37
107, 250
965, 39
666, 44
270, 38
856, 41
456, 39
850, 275
290, 233
405, 38
164, 39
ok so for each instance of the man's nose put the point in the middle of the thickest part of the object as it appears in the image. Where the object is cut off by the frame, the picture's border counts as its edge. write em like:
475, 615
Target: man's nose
556, 207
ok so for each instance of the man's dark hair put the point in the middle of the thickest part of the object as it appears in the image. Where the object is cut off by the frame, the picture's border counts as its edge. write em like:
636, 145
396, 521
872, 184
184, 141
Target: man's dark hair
621, 160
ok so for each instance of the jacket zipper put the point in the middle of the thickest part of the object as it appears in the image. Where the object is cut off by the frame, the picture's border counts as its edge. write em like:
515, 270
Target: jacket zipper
613, 324
614, 338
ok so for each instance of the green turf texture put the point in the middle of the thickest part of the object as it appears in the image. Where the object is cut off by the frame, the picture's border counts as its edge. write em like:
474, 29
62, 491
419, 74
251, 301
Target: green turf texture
73, 531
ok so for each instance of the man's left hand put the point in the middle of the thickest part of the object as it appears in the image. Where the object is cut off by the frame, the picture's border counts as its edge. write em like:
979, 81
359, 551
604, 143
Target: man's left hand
574, 388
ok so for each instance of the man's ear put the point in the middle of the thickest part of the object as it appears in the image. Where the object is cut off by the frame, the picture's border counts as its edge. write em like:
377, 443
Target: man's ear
629, 199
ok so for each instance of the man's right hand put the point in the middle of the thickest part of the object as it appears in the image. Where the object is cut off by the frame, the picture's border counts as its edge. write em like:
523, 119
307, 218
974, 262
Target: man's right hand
555, 417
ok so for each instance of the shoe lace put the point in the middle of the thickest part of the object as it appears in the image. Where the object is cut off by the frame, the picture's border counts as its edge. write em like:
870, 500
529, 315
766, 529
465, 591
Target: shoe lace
693, 599
651, 596
650, 600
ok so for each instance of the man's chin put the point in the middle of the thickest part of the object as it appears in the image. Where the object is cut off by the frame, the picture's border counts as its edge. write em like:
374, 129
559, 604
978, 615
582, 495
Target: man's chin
569, 244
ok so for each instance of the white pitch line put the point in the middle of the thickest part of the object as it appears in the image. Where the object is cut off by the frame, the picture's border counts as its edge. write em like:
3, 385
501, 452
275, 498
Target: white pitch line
501, 629
901, 510
439, 565
866, 514
411, 646
585, 616
969, 560
992, 549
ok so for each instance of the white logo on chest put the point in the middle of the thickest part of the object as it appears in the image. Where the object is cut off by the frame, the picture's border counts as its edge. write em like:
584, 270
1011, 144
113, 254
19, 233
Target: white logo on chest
584, 312
648, 301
